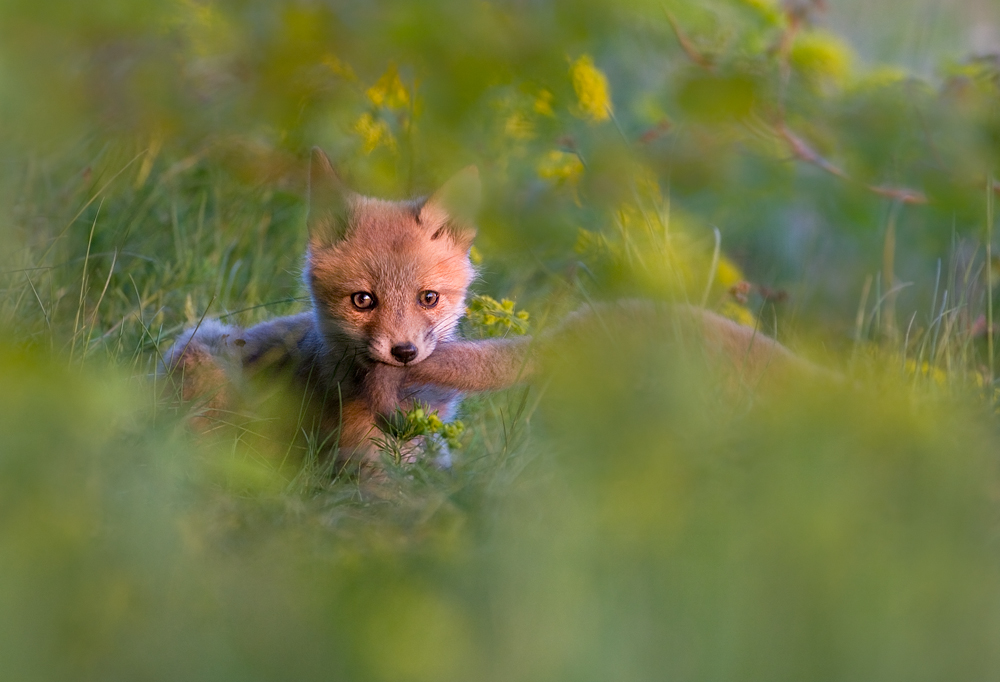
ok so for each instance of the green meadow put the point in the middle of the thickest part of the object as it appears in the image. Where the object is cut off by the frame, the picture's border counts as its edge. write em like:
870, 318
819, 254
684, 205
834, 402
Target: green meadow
824, 172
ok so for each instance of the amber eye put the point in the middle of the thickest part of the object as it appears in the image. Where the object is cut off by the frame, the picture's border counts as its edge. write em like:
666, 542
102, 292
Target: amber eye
362, 300
428, 298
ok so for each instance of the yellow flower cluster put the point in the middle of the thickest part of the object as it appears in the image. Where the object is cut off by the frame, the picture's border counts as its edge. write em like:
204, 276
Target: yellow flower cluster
822, 57
520, 112
518, 126
543, 103
591, 88
496, 318
374, 133
926, 370
389, 91
560, 166
420, 421
728, 273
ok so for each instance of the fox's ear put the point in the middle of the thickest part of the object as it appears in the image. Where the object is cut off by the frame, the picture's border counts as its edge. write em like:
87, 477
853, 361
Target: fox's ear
329, 201
452, 209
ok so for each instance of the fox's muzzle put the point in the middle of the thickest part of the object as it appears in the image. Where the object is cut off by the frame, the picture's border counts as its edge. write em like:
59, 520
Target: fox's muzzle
404, 352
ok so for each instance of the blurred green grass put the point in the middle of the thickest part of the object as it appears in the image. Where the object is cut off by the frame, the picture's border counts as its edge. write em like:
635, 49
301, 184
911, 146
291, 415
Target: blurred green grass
626, 518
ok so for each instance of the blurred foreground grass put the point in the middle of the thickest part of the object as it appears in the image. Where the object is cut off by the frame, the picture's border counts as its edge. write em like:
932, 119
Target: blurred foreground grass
652, 531
628, 518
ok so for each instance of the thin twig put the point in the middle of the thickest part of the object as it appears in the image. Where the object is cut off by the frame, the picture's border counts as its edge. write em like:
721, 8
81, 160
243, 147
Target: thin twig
689, 49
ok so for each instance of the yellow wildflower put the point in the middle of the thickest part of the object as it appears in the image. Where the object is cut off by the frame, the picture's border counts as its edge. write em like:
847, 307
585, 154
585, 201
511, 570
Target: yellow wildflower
496, 318
822, 56
728, 273
421, 421
543, 103
374, 133
560, 166
591, 88
389, 91
519, 126
928, 371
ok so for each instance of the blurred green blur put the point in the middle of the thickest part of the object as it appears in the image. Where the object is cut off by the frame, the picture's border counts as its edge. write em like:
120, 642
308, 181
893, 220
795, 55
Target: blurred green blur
825, 173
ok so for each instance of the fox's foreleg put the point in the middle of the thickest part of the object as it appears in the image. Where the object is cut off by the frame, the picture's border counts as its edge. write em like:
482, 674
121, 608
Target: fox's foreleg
382, 387
496, 364
476, 366
462, 365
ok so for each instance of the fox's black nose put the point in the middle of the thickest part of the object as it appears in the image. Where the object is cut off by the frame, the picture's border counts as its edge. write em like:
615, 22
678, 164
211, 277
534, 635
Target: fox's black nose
404, 352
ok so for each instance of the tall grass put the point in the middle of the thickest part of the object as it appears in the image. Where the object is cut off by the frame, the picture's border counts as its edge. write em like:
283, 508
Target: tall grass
626, 516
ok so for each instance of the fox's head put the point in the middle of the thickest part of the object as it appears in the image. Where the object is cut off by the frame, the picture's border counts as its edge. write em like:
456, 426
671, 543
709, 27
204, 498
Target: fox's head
388, 278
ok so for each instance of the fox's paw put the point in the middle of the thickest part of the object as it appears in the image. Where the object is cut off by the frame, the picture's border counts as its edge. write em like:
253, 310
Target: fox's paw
196, 373
195, 370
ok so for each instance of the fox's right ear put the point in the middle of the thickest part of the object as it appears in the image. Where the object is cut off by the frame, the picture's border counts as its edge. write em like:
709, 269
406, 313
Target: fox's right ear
452, 209
329, 201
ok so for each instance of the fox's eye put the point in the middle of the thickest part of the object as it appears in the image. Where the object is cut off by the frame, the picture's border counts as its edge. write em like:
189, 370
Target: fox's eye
362, 300
428, 298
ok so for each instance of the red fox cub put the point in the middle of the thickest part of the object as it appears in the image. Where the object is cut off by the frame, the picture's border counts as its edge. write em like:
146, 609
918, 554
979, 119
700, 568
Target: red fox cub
388, 282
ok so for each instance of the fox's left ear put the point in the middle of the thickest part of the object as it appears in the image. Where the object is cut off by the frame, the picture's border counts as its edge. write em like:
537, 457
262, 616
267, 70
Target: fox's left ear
329, 201
452, 209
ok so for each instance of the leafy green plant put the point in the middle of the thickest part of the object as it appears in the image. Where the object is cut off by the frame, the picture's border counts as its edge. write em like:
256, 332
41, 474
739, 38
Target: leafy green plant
491, 318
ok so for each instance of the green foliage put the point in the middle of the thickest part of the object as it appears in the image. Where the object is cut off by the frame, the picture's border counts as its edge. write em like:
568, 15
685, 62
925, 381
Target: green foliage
490, 317
828, 178
419, 421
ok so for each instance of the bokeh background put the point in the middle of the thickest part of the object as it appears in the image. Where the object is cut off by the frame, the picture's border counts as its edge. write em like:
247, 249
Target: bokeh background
825, 171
